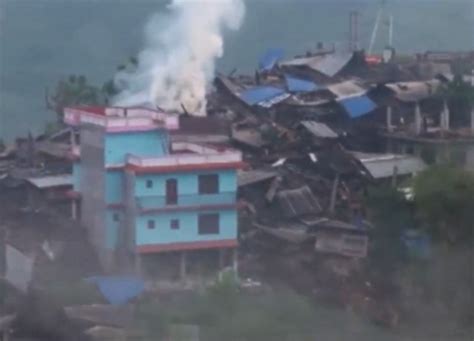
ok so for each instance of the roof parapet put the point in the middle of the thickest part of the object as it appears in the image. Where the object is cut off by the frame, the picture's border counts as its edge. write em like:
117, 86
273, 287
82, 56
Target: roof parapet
117, 119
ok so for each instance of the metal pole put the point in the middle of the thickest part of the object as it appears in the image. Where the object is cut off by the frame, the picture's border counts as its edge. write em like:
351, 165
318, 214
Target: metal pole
390, 32
389, 119
374, 31
417, 119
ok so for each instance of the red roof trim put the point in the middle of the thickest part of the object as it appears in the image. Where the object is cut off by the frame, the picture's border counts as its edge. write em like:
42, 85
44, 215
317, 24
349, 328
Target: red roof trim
73, 194
96, 110
189, 208
211, 244
181, 168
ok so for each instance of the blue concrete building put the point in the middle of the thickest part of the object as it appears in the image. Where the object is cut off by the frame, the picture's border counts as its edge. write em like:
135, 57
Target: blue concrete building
141, 196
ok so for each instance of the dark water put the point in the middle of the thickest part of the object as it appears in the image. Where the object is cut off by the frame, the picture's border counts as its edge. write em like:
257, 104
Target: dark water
42, 41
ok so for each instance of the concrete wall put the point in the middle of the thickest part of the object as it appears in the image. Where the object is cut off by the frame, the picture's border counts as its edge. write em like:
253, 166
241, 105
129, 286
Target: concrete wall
92, 180
147, 144
188, 228
188, 183
114, 227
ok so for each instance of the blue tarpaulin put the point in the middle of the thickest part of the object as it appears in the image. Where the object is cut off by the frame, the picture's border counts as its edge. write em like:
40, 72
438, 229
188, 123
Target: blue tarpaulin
299, 85
118, 289
260, 94
270, 58
358, 106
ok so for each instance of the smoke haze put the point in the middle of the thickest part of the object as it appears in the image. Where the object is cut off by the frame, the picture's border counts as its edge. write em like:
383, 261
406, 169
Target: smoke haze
178, 62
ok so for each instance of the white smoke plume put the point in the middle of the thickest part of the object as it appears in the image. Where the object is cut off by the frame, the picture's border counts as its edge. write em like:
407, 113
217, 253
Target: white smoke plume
177, 65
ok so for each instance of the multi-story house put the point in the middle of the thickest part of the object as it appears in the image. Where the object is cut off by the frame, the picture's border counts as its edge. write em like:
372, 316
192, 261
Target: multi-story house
143, 198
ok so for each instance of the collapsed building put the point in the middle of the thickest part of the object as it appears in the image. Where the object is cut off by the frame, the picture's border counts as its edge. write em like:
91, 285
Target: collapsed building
278, 170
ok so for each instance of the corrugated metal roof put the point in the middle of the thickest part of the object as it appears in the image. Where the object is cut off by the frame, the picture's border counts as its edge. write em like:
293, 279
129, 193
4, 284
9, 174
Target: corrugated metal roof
51, 181
253, 176
298, 202
259, 95
295, 234
270, 58
319, 129
382, 165
346, 89
294, 84
337, 224
329, 64
414, 91
249, 136
357, 106
333, 63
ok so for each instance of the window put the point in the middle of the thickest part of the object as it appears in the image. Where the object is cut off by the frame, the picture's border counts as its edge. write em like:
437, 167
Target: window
149, 183
116, 217
151, 224
208, 223
208, 184
171, 192
174, 224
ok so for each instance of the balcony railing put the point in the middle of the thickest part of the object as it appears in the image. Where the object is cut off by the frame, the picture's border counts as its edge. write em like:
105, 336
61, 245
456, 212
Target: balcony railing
185, 201
185, 159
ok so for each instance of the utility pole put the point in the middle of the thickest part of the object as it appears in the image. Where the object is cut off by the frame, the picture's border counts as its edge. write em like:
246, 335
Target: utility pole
390, 32
353, 31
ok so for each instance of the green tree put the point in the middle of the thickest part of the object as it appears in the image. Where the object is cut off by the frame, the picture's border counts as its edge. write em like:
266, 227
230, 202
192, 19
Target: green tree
110, 87
75, 90
460, 99
391, 215
444, 198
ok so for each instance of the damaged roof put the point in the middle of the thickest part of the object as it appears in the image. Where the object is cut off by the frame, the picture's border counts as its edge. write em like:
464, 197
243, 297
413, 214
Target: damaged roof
270, 58
295, 234
357, 106
51, 181
333, 63
262, 95
414, 91
298, 202
339, 225
249, 136
318, 129
383, 165
329, 64
295, 84
346, 89
253, 176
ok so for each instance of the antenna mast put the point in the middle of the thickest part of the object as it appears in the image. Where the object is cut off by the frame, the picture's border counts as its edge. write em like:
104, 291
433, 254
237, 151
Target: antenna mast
374, 31
354, 31
376, 27
390, 32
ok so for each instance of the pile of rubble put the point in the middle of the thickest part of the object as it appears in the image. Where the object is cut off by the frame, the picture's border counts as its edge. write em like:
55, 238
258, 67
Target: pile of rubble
315, 131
